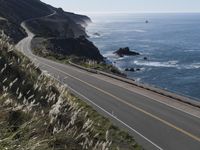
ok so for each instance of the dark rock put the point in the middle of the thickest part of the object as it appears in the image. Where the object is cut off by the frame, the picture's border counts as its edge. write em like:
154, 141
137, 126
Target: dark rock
127, 69
145, 58
130, 69
125, 52
80, 47
97, 34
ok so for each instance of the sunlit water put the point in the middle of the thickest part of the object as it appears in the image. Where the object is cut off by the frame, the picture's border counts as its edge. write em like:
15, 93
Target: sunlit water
171, 42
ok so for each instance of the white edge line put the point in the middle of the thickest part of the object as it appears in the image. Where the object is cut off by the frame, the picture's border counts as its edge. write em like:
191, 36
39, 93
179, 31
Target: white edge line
116, 118
78, 93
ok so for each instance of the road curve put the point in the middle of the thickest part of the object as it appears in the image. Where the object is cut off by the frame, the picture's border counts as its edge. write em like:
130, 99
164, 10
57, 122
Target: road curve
156, 121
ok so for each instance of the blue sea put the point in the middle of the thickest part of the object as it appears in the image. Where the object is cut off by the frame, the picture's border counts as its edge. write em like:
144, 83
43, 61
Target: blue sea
171, 42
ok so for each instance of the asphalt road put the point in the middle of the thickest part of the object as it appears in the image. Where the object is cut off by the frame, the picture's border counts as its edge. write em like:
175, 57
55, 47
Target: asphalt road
156, 122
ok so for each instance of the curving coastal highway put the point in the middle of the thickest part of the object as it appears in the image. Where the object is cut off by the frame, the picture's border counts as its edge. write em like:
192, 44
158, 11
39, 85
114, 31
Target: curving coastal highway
156, 121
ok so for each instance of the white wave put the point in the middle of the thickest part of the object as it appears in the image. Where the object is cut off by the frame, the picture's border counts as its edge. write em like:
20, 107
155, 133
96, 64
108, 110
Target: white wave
110, 55
190, 66
138, 79
168, 64
92, 35
191, 50
157, 64
140, 31
129, 30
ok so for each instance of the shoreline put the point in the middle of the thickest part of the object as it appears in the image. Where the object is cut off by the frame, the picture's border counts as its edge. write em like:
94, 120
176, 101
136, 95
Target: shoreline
163, 92
155, 86
169, 90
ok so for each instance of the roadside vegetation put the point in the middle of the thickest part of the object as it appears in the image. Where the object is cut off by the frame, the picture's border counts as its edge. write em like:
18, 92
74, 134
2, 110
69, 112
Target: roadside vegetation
37, 112
84, 62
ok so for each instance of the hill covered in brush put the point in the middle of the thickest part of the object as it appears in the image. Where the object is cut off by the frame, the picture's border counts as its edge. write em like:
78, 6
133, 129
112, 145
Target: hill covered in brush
37, 113
49, 24
16, 11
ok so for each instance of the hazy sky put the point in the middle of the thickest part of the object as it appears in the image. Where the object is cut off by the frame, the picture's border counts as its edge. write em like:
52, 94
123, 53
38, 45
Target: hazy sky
127, 5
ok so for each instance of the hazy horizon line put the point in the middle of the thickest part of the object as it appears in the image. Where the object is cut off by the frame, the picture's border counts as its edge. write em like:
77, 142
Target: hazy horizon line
142, 12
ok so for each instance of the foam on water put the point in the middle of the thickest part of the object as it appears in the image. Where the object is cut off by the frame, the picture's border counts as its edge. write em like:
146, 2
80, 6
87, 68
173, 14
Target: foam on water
169, 41
156, 64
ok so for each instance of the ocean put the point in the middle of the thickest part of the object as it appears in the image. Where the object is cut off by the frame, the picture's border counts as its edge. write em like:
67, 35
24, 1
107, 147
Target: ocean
171, 43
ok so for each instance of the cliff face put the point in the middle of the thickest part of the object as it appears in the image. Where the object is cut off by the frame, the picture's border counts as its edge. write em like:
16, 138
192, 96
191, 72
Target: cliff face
80, 47
47, 22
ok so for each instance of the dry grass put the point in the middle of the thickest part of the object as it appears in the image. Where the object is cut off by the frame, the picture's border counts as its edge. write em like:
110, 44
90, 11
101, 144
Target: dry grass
36, 112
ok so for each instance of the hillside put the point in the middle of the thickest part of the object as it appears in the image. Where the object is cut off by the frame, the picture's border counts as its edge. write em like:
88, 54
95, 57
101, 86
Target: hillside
46, 22
16, 11
66, 46
14, 31
37, 113
19, 10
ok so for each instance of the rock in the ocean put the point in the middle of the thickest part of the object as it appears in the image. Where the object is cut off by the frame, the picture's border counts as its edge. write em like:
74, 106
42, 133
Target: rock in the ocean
97, 34
130, 69
145, 58
125, 52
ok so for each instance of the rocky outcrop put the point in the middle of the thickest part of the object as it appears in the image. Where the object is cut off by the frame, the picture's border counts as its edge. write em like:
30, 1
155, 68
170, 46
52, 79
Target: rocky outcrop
97, 34
125, 52
80, 47
132, 69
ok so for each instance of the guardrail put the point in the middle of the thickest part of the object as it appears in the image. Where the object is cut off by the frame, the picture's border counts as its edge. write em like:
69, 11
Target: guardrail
162, 92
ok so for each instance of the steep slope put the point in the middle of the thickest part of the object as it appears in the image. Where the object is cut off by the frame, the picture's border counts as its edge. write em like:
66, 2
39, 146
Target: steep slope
56, 25
37, 113
79, 47
19, 10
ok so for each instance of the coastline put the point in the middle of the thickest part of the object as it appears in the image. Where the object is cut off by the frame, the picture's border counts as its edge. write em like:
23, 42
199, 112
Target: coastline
163, 92
171, 88
152, 87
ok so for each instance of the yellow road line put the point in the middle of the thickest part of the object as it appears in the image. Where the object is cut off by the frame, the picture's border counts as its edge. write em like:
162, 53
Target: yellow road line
131, 105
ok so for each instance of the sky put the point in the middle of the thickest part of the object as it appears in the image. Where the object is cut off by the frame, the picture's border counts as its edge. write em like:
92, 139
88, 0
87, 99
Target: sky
131, 6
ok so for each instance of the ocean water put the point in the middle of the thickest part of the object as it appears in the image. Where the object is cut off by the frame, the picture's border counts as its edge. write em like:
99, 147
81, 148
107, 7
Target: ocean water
171, 42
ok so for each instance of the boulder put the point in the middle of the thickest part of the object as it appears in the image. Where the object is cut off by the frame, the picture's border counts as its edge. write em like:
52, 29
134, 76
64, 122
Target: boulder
97, 34
145, 58
130, 69
125, 52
